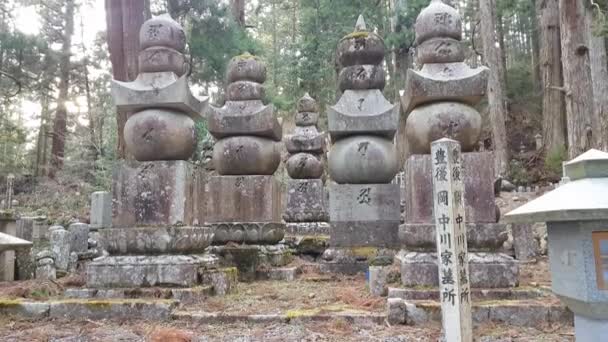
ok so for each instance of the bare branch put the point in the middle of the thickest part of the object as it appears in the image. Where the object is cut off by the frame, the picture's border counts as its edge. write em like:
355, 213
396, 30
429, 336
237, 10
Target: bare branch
14, 79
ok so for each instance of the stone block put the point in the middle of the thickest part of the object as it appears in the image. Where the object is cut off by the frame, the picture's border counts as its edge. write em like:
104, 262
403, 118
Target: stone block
223, 281
245, 258
79, 233
32, 310
305, 201
156, 240
243, 199
396, 311
101, 210
238, 118
487, 270
248, 232
7, 254
480, 236
112, 309
363, 112
144, 271
524, 242
305, 139
364, 215
60, 241
478, 181
308, 228
157, 193
311, 245
378, 278
278, 274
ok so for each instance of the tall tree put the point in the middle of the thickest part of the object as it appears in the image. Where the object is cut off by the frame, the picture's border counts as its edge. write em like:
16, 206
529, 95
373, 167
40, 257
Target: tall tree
60, 121
238, 11
582, 125
123, 20
599, 72
554, 119
496, 99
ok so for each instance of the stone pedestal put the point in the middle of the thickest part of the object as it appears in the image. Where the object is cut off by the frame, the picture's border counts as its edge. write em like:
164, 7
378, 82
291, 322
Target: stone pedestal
364, 215
157, 193
8, 225
306, 201
101, 210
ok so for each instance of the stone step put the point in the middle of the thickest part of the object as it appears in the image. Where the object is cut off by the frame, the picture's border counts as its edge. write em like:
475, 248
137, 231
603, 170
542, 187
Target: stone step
183, 295
518, 293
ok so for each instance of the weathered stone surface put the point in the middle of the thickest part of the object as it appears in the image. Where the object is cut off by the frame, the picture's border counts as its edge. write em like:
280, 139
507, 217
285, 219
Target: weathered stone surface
45, 265
361, 77
305, 139
243, 199
157, 193
456, 82
60, 246
245, 91
275, 255
478, 180
245, 258
32, 310
378, 280
480, 236
308, 245
112, 309
307, 104
248, 232
440, 50
244, 118
362, 112
278, 274
438, 20
524, 243
101, 210
246, 67
305, 201
144, 271
396, 311
156, 240
453, 120
160, 134
304, 166
158, 90
360, 47
162, 31
246, 155
162, 59
308, 228
80, 237
363, 159
306, 118
478, 295
364, 215
487, 270
223, 281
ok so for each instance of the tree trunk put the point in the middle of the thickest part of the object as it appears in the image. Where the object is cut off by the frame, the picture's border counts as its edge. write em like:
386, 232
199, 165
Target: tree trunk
123, 19
503, 50
60, 122
238, 11
554, 117
583, 126
496, 97
534, 34
599, 78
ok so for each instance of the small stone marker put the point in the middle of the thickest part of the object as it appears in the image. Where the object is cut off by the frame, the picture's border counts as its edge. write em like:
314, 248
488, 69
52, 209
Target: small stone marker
10, 179
449, 211
101, 210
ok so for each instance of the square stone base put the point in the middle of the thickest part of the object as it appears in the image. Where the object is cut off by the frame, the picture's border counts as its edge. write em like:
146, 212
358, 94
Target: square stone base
487, 270
147, 270
243, 199
353, 260
157, 193
364, 215
478, 178
480, 237
251, 259
7, 258
305, 201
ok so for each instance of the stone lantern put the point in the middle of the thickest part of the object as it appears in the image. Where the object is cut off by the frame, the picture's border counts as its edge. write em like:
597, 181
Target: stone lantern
577, 224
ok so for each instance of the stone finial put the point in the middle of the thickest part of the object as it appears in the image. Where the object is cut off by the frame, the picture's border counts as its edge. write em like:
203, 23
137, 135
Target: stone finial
245, 75
307, 104
162, 31
307, 111
360, 25
438, 20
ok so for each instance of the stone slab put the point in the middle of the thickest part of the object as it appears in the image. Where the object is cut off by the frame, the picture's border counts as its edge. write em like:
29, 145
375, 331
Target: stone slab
243, 199
305, 201
308, 228
524, 243
252, 233
112, 309
476, 294
144, 271
237, 118
157, 193
31, 310
188, 295
223, 281
79, 233
487, 270
480, 236
478, 181
364, 215
156, 240
101, 210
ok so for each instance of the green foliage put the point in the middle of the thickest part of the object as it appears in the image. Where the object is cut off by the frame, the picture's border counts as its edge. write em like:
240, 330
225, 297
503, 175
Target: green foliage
518, 173
554, 160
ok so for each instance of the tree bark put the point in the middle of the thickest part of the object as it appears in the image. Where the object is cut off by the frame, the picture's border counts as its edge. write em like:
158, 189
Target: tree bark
583, 126
60, 121
238, 11
496, 97
554, 117
599, 77
534, 35
123, 20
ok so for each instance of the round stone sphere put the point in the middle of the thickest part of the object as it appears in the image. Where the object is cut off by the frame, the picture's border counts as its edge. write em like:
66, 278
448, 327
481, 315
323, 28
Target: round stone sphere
361, 77
453, 120
245, 91
160, 134
162, 59
304, 166
438, 20
360, 48
307, 104
363, 160
440, 50
246, 67
246, 155
162, 31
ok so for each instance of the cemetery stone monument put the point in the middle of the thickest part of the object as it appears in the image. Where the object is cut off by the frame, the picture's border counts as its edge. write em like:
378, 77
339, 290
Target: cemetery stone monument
439, 100
306, 211
577, 225
364, 205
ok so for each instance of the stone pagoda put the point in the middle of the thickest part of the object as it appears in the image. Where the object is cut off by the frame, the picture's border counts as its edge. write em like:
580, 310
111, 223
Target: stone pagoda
154, 240
364, 205
306, 210
439, 100
244, 204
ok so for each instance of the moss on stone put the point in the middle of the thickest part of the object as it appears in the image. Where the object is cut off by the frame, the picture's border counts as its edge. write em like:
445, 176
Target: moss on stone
10, 303
365, 252
357, 35
247, 55
291, 314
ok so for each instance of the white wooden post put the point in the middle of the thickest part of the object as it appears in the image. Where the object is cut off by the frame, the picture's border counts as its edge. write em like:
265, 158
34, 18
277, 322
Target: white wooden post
449, 211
